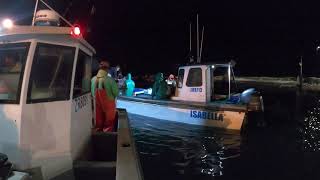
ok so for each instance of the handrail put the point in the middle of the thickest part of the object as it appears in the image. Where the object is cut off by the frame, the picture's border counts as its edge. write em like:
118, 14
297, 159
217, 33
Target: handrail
128, 162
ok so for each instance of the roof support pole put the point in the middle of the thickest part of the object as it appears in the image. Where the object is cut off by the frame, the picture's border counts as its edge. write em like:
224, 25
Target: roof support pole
229, 79
34, 12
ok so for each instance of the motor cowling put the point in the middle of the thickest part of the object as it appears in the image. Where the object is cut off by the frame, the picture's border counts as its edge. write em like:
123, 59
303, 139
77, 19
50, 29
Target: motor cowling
256, 103
253, 99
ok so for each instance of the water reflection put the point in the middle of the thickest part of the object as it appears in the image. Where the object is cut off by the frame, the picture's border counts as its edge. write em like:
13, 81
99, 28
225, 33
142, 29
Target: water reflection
311, 133
179, 149
287, 148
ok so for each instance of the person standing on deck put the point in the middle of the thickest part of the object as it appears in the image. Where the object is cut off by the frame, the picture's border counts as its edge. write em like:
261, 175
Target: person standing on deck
172, 84
121, 84
105, 90
159, 88
115, 71
129, 85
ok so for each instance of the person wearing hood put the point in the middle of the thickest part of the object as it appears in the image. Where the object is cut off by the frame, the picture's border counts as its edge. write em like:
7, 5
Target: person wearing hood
172, 84
159, 89
104, 89
130, 85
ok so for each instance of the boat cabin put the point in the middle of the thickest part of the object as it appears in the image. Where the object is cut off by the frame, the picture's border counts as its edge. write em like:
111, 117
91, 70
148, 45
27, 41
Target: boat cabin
205, 83
45, 102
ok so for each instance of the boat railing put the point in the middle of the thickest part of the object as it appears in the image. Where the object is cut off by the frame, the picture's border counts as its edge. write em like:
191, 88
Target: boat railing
110, 155
128, 162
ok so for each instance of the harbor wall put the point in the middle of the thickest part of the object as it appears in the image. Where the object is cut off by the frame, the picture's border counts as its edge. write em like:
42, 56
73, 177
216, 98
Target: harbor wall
310, 84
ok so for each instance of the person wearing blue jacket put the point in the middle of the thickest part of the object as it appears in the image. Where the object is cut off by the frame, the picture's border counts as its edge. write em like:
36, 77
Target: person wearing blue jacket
129, 85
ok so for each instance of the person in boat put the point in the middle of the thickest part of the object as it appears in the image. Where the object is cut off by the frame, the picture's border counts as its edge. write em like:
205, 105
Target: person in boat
115, 72
121, 83
171, 82
9, 65
104, 89
5, 92
160, 88
10, 61
129, 85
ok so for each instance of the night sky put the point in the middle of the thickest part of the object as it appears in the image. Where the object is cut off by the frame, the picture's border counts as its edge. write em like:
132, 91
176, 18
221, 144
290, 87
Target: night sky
264, 37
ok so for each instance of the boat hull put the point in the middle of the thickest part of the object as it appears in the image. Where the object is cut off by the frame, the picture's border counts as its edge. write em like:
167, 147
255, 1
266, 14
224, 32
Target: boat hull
219, 118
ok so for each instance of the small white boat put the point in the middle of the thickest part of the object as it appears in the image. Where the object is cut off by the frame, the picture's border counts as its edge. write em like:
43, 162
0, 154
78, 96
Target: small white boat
205, 95
46, 107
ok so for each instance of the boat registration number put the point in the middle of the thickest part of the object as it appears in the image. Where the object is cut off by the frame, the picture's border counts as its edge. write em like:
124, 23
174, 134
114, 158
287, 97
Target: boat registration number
206, 115
195, 89
80, 102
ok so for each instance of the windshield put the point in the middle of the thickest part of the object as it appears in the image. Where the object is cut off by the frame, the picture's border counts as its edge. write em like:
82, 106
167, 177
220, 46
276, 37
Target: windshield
12, 61
51, 73
221, 83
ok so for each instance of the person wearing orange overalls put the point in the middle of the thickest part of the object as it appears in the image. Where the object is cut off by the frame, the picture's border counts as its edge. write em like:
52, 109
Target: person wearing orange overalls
104, 89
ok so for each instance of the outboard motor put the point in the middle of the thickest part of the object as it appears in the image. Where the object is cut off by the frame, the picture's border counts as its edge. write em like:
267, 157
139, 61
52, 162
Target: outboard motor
5, 167
253, 99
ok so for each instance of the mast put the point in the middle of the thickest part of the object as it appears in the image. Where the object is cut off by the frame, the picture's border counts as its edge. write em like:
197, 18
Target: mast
198, 58
190, 38
202, 33
229, 80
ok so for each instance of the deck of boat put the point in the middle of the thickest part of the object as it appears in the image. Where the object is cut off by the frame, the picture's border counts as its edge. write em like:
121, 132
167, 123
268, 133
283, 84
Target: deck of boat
216, 106
111, 155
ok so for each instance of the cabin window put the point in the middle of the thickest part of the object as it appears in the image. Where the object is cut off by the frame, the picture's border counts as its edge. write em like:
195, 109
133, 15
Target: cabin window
83, 75
180, 78
12, 61
51, 72
221, 82
195, 77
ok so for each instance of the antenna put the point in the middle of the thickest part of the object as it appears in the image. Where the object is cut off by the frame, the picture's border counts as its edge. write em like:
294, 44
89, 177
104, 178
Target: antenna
190, 38
35, 10
198, 39
201, 43
229, 80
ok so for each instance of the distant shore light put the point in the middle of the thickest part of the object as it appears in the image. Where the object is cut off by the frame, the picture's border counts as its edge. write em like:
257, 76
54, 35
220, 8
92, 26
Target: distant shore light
7, 23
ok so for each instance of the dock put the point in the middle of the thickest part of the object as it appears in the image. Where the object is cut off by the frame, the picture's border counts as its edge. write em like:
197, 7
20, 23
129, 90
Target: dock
112, 155
310, 84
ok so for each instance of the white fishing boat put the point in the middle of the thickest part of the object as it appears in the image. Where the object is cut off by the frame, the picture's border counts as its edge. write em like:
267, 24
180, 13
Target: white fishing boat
46, 108
206, 95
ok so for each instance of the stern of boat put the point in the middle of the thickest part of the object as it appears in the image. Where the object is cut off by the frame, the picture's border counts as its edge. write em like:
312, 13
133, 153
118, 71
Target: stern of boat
255, 106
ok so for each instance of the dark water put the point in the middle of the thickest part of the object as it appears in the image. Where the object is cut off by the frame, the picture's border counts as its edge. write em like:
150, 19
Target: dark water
288, 147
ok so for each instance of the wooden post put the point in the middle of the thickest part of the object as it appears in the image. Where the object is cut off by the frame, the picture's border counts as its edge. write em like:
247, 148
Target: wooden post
301, 74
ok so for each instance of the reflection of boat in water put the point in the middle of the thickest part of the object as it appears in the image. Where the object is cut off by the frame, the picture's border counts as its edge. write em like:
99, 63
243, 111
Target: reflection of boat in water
46, 109
205, 95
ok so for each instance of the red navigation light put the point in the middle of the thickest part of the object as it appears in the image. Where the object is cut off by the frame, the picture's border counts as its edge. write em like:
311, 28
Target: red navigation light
76, 31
